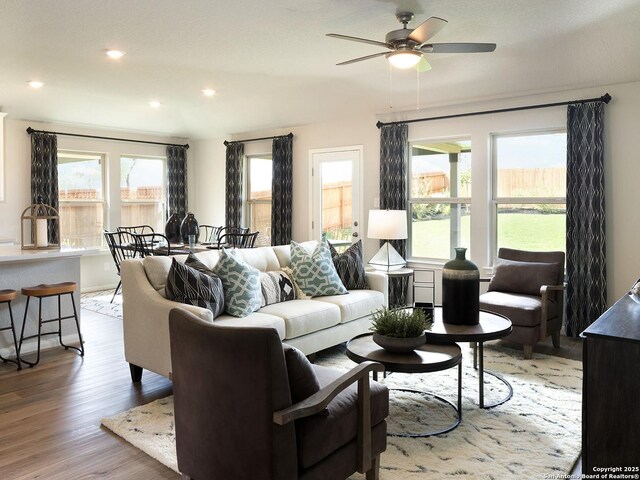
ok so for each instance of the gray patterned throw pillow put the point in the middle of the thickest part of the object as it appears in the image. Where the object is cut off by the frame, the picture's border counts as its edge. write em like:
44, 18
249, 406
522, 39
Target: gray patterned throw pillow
350, 266
241, 282
276, 287
314, 272
191, 286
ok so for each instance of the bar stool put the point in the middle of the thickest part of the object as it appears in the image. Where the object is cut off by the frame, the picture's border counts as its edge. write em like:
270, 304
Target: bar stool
5, 297
45, 291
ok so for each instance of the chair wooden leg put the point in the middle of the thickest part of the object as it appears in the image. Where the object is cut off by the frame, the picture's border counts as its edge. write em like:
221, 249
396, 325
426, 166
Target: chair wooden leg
528, 352
136, 373
374, 472
555, 338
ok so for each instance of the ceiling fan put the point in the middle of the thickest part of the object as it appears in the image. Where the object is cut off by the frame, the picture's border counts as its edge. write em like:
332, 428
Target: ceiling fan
408, 46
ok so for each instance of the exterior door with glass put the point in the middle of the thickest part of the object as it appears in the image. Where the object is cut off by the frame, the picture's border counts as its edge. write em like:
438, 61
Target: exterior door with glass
336, 195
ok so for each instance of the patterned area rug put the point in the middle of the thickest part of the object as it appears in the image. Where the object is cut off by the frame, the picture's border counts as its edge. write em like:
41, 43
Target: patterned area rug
101, 302
534, 434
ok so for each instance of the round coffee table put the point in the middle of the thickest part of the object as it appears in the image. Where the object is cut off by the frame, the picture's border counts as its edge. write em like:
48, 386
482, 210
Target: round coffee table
425, 359
492, 326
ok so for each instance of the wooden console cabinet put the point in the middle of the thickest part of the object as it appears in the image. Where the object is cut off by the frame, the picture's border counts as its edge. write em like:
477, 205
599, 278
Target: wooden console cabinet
611, 390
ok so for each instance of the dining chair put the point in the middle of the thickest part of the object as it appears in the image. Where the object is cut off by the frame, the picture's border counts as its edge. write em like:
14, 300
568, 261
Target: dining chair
137, 229
211, 233
150, 244
122, 245
238, 240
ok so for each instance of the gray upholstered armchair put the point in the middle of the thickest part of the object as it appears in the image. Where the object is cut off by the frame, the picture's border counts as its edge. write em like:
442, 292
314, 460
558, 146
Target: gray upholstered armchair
528, 288
242, 410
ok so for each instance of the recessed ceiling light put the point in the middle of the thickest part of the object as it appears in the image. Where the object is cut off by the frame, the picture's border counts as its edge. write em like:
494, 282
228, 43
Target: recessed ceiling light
115, 54
207, 92
154, 103
35, 84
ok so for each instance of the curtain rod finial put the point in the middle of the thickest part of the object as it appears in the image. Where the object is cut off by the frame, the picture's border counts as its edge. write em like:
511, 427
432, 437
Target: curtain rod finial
379, 124
30, 130
606, 98
226, 144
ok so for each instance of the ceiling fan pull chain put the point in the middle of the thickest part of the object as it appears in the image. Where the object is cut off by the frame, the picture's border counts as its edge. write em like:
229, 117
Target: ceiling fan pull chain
390, 87
417, 89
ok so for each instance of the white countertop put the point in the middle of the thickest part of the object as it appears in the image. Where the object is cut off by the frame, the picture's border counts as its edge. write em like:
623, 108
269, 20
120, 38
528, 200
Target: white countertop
14, 253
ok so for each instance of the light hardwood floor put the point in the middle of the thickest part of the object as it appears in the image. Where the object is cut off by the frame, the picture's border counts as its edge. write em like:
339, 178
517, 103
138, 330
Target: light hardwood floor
50, 415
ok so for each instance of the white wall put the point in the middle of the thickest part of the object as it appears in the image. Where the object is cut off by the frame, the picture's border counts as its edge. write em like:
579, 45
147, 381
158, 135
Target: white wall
622, 165
98, 271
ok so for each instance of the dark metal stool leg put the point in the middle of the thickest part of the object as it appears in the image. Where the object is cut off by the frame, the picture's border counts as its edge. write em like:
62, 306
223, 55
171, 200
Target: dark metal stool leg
75, 316
15, 341
22, 337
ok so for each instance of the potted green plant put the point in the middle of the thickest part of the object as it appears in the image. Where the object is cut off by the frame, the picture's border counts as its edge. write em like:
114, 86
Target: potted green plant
400, 330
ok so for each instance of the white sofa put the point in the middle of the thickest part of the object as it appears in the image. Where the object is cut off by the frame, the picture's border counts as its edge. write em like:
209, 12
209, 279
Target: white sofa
309, 325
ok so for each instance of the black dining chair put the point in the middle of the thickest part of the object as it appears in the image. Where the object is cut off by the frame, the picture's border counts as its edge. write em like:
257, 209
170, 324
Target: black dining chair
209, 234
137, 229
150, 244
122, 246
238, 240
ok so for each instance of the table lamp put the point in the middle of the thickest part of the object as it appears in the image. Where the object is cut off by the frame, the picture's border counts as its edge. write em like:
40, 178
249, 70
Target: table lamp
387, 225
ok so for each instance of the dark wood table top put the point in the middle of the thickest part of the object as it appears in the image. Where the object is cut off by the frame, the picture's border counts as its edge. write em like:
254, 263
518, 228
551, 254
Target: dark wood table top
428, 358
491, 327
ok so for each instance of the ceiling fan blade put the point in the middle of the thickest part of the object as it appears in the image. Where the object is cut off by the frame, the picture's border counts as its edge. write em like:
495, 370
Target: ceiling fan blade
423, 65
458, 47
427, 29
358, 39
359, 59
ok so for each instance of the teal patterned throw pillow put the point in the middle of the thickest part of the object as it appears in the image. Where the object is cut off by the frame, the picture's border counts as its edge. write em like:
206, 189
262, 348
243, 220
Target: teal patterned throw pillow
314, 272
241, 284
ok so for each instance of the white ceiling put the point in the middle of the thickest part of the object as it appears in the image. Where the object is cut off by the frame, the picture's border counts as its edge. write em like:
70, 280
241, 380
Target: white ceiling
272, 66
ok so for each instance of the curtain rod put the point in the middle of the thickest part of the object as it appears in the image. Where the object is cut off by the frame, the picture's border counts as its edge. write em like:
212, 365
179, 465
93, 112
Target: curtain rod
227, 143
31, 130
606, 98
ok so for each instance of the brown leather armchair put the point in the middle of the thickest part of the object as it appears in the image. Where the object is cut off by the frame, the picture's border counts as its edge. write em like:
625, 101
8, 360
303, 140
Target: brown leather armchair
527, 287
235, 418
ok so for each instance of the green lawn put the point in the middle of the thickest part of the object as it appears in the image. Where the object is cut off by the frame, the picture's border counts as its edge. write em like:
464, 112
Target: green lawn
525, 231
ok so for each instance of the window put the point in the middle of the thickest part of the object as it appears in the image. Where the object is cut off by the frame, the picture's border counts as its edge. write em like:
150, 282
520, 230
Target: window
439, 198
81, 198
142, 192
529, 190
258, 204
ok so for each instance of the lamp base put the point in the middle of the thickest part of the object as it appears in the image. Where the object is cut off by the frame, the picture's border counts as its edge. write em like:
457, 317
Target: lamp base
387, 259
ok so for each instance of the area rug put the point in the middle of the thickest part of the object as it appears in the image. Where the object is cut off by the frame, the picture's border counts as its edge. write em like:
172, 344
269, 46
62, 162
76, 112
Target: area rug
101, 302
536, 434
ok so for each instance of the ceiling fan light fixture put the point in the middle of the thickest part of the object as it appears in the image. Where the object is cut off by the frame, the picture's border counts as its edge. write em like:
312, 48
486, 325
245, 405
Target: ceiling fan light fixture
404, 58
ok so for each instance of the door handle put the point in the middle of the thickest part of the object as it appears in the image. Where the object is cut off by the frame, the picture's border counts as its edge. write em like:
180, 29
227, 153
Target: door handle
354, 234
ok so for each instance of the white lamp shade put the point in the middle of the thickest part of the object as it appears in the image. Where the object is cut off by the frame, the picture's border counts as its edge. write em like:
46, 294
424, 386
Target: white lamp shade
387, 224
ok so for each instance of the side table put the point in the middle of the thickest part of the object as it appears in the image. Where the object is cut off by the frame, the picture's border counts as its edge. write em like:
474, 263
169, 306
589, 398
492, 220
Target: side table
427, 358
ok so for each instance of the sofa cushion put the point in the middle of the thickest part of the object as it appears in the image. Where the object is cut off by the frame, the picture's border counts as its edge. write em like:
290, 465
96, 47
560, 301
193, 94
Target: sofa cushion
357, 304
157, 268
314, 272
318, 436
262, 258
253, 320
189, 285
303, 381
241, 284
522, 310
522, 277
304, 316
350, 266
276, 287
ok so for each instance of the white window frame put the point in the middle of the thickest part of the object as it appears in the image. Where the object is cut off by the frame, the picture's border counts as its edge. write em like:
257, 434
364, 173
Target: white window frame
429, 200
495, 200
162, 202
69, 153
248, 203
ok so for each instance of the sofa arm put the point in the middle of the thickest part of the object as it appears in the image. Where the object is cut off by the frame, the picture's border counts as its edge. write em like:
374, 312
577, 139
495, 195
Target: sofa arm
146, 320
380, 282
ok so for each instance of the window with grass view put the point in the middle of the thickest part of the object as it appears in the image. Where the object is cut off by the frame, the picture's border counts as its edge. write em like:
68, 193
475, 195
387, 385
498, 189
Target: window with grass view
142, 192
258, 204
529, 190
81, 198
439, 198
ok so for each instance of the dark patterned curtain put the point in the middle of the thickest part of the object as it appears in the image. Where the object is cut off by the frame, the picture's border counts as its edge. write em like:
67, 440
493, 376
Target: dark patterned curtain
44, 175
176, 180
393, 192
281, 190
586, 265
233, 194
